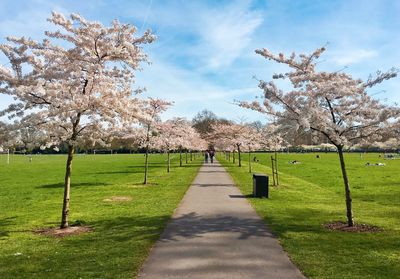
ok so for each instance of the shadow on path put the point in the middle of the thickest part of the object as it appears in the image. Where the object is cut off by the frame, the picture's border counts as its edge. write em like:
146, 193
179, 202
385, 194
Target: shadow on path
192, 225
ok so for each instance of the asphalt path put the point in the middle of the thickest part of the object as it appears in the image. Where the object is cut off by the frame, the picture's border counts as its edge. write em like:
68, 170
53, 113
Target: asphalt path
215, 233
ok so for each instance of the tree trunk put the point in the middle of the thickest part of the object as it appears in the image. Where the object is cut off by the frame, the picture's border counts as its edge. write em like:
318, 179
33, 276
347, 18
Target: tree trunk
186, 158
273, 170
239, 157
191, 155
180, 157
276, 168
346, 188
67, 187
146, 165
233, 157
249, 161
169, 162
146, 162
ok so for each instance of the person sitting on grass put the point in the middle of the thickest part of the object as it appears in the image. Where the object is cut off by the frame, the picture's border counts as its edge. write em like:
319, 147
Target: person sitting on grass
377, 164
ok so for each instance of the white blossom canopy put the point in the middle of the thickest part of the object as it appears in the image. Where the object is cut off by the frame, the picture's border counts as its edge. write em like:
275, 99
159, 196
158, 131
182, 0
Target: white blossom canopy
333, 104
80, 87
178, 133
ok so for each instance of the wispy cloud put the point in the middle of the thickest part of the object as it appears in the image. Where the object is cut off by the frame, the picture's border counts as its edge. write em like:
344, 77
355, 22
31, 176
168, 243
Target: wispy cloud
225, 33
352, 56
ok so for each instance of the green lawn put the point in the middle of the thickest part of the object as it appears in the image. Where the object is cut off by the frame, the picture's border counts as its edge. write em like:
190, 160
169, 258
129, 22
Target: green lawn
312, 193
31, 198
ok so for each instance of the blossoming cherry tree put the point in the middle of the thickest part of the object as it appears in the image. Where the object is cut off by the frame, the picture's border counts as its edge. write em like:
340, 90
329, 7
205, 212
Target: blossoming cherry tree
75, 83
330, 103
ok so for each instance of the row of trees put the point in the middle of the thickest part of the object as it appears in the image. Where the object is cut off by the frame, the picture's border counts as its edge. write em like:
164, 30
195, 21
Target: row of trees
332, 107
75, 88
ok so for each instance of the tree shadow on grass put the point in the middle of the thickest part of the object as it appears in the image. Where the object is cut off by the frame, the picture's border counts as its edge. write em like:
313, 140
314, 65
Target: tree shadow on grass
5, 222
9, 222
382, 198
82, 184
141, 166
117, 172
122, 229
191, 165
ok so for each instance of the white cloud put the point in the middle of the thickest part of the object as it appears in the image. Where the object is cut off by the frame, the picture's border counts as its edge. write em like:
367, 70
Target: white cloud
225, 33
215, 35
352, 56
29, 22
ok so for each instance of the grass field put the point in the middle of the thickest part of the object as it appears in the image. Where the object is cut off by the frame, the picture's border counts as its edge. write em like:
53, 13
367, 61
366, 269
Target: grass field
31, 198
312, 193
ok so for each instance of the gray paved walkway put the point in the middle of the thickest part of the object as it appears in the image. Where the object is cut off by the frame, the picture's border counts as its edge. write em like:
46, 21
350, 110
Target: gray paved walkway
215, 233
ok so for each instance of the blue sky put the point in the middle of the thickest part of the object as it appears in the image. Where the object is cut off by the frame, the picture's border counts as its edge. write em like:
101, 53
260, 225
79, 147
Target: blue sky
204, 56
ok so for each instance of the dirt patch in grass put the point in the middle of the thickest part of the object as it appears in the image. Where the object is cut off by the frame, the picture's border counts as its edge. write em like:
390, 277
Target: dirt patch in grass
141, 185
118, 199
357, 228
57, 232
138, 186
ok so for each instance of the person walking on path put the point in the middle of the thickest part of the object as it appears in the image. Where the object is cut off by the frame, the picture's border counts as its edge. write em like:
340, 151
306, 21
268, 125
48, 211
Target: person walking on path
212, 154
206, 156
215, 233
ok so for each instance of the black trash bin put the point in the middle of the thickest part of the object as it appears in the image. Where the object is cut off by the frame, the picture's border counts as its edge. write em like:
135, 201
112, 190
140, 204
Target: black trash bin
260, 185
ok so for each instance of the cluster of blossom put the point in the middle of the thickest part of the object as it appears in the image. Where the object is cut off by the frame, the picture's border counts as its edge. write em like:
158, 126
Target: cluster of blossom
273, 137
178, 133
79, 92
333, 104
145, 135
5, 136
389, 144
231, 136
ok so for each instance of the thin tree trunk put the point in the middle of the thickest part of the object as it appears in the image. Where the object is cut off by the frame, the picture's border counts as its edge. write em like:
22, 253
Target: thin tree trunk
191, 155
349, 209
169, 162
233, 157
273, 170
239, 157
146, 162
180, 157
67, 187
276, 168
186, 154
249, 161
146, 165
